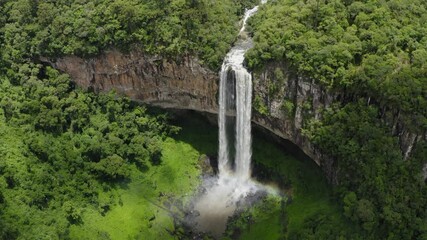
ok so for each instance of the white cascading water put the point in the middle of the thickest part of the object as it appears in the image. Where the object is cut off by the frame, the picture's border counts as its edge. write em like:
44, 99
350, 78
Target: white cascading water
235, 99
236, 102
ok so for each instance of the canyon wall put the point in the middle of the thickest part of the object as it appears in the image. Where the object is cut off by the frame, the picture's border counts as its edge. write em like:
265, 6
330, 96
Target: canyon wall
283, 101
149, 79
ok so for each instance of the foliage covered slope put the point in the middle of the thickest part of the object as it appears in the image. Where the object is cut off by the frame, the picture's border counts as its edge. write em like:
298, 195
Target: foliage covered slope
173, 28
374, 54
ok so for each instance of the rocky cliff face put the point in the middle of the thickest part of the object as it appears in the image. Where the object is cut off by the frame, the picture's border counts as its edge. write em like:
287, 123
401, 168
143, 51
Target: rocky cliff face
150, 79
187, 85
282, 101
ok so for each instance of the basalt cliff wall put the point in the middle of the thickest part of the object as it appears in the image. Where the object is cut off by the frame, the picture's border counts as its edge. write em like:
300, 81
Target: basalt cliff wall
182, 84
282, 101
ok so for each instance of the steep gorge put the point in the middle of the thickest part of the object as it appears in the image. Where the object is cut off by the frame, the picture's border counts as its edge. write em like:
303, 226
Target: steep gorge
185, 84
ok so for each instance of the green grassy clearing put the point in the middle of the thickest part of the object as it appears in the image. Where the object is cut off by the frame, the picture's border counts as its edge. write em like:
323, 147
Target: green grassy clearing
141, 213
311, 194
139, 209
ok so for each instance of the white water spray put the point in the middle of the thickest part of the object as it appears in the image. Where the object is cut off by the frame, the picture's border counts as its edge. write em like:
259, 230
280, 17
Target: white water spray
235, 100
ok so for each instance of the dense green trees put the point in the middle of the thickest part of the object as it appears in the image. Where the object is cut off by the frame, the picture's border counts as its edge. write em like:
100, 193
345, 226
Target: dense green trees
373, 54
383, 194
173, 28
371, 49
59, 146
63, 149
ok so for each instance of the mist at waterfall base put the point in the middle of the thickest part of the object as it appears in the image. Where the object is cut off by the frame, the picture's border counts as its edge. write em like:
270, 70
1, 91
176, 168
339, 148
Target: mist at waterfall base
233, 188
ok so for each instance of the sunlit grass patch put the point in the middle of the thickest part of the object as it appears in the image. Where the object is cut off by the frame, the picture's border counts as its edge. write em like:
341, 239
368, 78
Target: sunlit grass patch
141, 212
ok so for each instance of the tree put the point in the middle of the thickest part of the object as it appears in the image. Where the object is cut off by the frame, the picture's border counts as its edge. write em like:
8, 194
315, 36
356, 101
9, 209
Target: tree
112, 167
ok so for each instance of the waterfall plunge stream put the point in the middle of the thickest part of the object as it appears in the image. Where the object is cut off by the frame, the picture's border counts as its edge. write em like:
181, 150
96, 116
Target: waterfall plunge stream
235, 99
224, 194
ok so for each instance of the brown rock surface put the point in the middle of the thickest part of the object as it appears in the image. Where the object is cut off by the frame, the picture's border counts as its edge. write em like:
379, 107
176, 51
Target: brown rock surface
150, 79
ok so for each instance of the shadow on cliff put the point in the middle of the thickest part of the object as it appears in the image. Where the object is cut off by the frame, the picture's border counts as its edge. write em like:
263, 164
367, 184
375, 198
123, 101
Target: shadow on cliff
200, 131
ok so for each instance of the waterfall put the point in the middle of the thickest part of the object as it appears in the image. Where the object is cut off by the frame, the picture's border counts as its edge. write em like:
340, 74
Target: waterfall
236, 102
223, 194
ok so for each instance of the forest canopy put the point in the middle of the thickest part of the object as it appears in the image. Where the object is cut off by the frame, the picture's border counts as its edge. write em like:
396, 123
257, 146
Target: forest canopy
59, 146
172, 28
375, 49
62, 149
373, 55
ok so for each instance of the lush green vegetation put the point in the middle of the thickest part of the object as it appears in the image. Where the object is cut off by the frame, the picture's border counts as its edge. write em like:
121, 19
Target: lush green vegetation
83, 166
373, 54
374, 49
381, 193
172, 28
67, 196
66, 157
149, 206
307, 206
